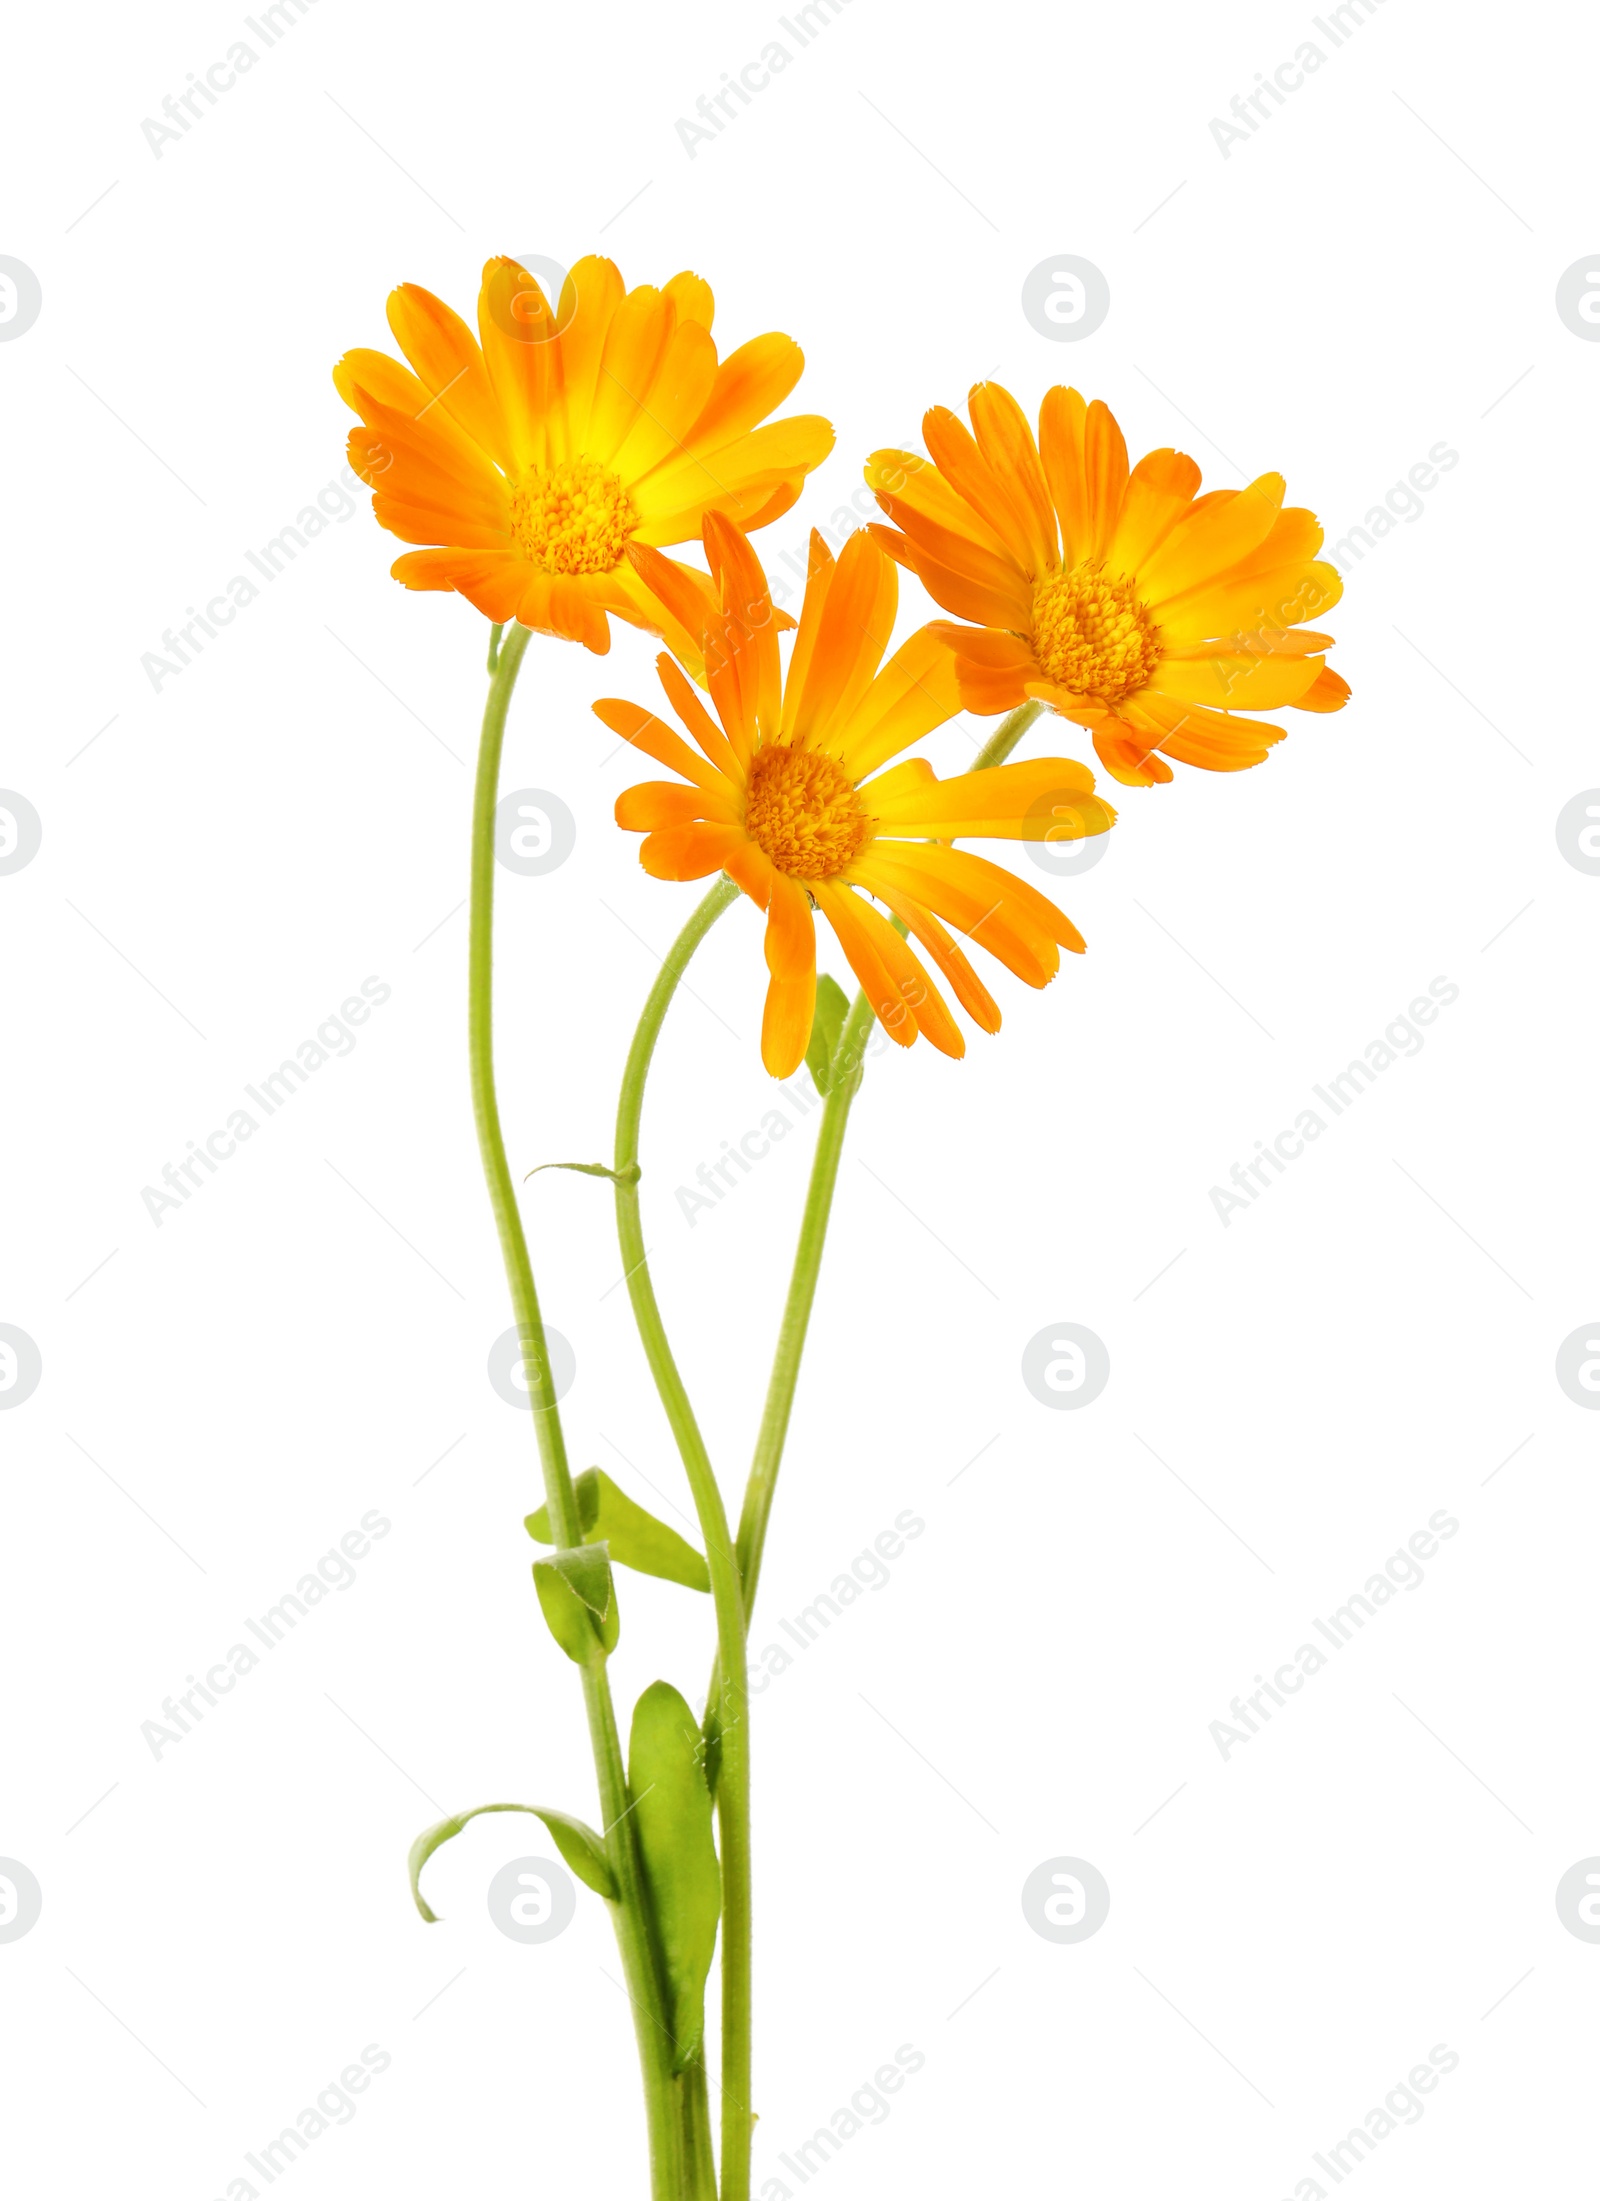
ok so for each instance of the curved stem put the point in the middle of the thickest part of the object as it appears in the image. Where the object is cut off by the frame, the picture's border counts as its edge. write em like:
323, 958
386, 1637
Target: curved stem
640, 1961
733, 1790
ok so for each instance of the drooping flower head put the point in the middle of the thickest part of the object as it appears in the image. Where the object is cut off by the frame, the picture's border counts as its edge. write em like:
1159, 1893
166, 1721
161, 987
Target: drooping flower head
784, 789
1126, 601
533, 455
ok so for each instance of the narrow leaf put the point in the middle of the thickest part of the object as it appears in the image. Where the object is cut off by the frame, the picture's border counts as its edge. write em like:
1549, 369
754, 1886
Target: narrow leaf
578, 1599
579, 1845
628, 1176
635, 1538
672, 1809
588, 1496
827, 1021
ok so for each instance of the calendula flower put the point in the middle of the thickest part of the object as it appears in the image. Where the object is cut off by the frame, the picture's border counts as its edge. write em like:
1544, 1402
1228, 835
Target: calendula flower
1124, 600
532, 456
784, 790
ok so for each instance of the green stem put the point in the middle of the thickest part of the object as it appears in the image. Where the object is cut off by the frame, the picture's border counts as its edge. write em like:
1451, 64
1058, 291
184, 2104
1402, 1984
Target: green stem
843, 1086
641, 1964
1006, 736
700, 2170
774, 1430
733, 1788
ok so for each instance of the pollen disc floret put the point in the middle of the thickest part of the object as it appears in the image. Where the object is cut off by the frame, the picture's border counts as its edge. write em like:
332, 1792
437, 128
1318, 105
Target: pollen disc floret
1092, 634
573, 517
802, 811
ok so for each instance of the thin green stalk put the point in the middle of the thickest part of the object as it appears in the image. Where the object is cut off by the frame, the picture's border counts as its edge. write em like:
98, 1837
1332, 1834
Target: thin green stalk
733, 1790
640, 1960
774, 1430
1006, 736
843, 1086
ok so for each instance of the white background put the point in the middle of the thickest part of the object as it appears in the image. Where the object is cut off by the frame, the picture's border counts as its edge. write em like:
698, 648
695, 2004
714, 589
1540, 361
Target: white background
1369, 274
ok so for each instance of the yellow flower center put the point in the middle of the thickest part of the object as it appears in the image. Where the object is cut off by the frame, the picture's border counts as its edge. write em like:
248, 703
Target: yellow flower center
572, 517
1092, 634
802, 810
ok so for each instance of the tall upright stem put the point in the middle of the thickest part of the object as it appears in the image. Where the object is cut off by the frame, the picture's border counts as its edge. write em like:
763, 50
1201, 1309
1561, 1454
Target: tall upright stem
733, 1789
774, 1430
640, 1962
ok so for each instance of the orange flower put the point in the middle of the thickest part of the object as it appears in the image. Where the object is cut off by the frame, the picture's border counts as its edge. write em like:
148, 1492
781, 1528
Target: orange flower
781, 795
1125, 601
536, 457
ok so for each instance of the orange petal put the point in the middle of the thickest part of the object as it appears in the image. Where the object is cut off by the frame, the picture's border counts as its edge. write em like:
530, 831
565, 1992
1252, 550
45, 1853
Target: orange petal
1209, 539
656, 739
636, 342
703, 727
954, 588
916, 691
1130, 757
426, 524
854, 620
1160, 490
590, 297
450, 365
655, 804
516, 327
902, 996
964, 981
1211, 740
689, 851
1328, 692
747, 604
691, 296
669, 406
964, 466
1062, 419
1026, 801
1231, 681
791, 949
1105, 473
751, 383
985, 903
491, 580
1006, 441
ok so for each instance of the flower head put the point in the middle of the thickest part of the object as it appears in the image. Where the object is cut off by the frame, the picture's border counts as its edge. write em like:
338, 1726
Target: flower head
533, 455
1124, 600
784, 789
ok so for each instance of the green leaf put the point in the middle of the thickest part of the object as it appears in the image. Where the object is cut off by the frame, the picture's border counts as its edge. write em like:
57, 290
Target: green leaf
672, 1810
579, 1845
628, 1176
827, 1021
578, 1599
636, 1538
